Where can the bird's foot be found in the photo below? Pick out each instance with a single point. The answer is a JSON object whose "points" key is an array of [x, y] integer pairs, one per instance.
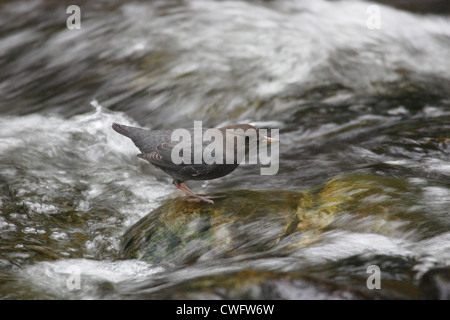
{"points": [[192, 196], [202, 197], [197, 198]]}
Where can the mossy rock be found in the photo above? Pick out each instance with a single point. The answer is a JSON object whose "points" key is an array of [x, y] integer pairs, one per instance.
{"points": [[358, 195], [256, 222], [182, 231]]}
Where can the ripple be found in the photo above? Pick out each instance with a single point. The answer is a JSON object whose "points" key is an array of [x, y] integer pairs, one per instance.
{"points": [[95, 278]]}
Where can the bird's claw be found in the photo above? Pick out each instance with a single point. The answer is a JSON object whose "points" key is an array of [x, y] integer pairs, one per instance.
{"points": [[192, 198]]}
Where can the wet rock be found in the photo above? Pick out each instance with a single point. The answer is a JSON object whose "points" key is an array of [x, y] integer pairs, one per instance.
{"points": [[255, 222], [435, 284], [418, 6], [239, 222], [358, 195], [255, 284]]}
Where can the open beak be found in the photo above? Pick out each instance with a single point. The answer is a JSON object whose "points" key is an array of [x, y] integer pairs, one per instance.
{"points": [[269, 140]]}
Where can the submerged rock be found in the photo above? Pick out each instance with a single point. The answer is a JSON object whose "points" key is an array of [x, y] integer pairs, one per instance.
{"points": [[239, 222], [254, 284], [259, 222], [435, 284], [424, 7]]}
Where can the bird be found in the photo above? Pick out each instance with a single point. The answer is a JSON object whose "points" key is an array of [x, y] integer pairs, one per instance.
{"points": [[156, 147]]}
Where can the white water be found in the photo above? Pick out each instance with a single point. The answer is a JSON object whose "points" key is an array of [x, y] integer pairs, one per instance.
{"points": [[223, 62]]}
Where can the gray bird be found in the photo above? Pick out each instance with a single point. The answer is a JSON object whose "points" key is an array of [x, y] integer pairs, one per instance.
{"points": [[156, 147]]}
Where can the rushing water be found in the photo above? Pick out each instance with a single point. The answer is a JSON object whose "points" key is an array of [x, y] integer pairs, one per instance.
{"points": [[364, 119]]}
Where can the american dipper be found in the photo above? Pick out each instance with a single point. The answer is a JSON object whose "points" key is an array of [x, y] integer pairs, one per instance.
{"points": [[157, 146]]}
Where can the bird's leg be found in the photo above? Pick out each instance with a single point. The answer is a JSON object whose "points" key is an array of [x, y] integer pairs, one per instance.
{"points": [[181, 186]]}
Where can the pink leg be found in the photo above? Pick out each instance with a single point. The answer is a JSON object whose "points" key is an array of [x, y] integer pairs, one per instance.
{"points": [[181, 186]]}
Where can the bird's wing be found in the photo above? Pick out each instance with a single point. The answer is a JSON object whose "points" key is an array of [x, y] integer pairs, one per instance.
{"points": [[163, 157], [156, 159], [198, 170]]}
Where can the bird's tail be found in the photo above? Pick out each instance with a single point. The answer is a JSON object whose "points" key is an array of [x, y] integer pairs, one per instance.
{"points": [[142, 138], [123, 129]]}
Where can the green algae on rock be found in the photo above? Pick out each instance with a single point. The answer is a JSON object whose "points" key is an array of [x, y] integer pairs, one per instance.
{"points": [[354, 195], [181, 231], [258, 222]]}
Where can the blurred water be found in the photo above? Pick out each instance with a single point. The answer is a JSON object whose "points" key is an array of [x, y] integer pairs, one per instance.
{"points": [[347, 100]]}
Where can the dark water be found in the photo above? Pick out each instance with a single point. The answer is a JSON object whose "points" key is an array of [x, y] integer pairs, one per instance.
{"points": [[364, 119]]}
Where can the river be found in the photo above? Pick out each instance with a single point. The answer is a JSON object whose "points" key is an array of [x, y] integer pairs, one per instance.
{"points": [[363, 112]]}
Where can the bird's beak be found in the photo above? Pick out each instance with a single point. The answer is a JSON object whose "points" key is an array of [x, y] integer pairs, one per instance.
{"points": [[269, 140]]}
